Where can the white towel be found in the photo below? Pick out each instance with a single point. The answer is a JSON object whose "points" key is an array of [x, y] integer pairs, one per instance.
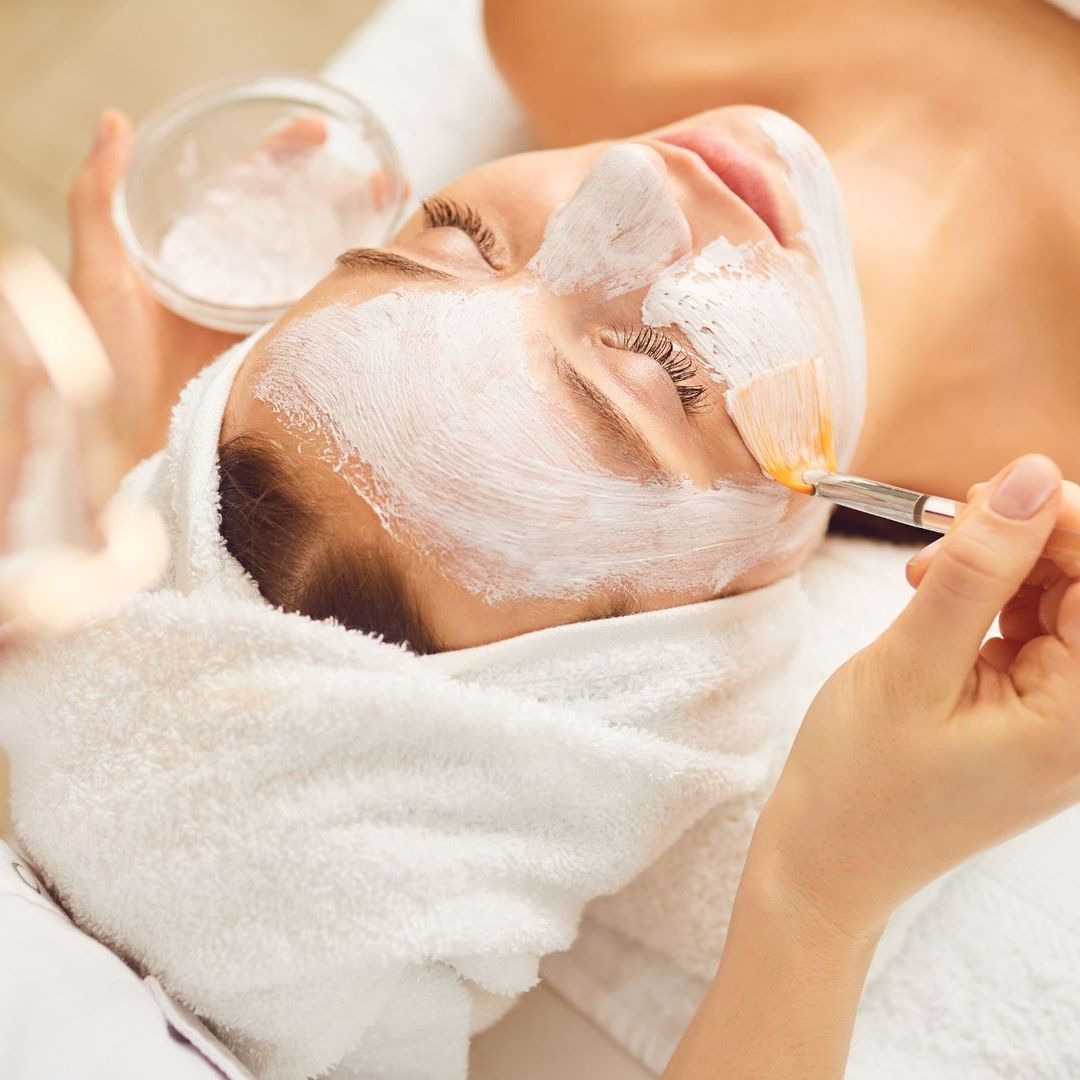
{"points": [[313, 838], [423, 67], [986, 983], [977, 977]]}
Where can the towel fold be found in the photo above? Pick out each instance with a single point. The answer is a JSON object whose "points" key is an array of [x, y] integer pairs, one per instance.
{"points": [[976, 978], [337, 852], [347, 858]]}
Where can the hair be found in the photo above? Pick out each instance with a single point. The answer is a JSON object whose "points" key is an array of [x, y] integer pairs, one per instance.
{"points": [[280, 534]]}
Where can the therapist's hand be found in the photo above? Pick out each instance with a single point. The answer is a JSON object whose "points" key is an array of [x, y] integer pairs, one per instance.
{"points": [[154, 352], [927, 746]]}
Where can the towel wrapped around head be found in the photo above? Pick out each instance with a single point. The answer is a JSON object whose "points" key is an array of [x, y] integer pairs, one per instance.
{"points": [[336, 851]]}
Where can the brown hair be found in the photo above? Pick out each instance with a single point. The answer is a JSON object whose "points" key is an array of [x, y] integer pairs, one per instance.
{"points": [[279, 533]]}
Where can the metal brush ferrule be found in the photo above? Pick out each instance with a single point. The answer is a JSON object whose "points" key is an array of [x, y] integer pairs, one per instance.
{"points": [[938, 514], [869, 496], [932, 512]]}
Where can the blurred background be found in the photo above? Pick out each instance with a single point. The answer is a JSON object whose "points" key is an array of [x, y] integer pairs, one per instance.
{"points": [[62, 61]]}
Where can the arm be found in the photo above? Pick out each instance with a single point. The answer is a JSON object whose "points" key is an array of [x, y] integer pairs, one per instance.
{"points": [[921, 751], [783, 1001]]}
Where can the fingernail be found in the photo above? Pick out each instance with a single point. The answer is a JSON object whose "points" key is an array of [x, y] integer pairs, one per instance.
{"points": [[1025, 490], [104, 130]]}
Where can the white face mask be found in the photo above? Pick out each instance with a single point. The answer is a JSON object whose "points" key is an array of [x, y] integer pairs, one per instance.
{"points": [[437, 407]]}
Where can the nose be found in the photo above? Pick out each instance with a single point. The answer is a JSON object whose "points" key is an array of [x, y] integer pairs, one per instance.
{"points": [[622, 226]]}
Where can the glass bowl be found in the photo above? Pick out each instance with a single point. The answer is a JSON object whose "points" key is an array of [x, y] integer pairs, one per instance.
{"points": [[243, 190]]}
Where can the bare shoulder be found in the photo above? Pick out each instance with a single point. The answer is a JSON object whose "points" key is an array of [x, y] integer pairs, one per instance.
{"points": [[585, 71]]}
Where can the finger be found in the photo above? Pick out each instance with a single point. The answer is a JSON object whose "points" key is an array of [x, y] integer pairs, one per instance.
{"points": [[1047, 670], [1043, 574], [919, 563], [981, 563], [1068, 618], [999, 653], [299, 135], [1019, 618], [96, 248], [1064, 545], [1050, 606], [1034, 608]]}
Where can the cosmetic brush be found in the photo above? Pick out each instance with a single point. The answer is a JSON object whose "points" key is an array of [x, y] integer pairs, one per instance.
{"points": [[800, 453]]}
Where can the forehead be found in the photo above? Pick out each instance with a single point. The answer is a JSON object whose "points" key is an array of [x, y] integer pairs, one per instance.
{"points": [[359, 275]]}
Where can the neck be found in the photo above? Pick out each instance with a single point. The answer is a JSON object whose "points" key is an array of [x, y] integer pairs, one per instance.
{"points": [[949, 137]]}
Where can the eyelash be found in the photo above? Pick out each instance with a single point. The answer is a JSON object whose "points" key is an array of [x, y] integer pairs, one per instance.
{"points": [[674, 360], [443, 213]]}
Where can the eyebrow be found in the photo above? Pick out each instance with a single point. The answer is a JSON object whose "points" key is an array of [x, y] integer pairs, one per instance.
{"points": [[609, 416], [378, 259]]}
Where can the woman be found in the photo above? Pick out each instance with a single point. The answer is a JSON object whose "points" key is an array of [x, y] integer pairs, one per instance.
{"points": [[950, 129], [914, 178], [815, 906]]}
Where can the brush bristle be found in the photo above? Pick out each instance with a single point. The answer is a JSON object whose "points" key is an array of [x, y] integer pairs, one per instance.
{"points": [[785, 419]]}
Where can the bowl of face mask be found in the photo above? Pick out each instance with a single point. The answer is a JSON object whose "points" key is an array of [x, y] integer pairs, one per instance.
{"points": [[242, 191]]}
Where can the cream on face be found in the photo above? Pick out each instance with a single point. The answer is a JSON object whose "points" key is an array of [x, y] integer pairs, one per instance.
{"points": [[618, 232], [437, 406], [437, 414]]}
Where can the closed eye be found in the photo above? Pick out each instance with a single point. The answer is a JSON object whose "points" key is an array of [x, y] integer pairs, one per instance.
{"points": [[443, 213], [674, 359]]}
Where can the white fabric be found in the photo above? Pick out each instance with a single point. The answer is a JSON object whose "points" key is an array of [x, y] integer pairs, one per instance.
{"points": [[186, 766], [424, 69], [70, 1008], [443, 818], [639, 963]]}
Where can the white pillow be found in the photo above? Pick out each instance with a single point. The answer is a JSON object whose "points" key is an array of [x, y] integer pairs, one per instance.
{"points": [[422, 66]]}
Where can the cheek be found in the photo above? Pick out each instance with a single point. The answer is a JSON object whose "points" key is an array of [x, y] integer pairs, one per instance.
{"points": [[618, 231], [751, 310], [826, 240]]}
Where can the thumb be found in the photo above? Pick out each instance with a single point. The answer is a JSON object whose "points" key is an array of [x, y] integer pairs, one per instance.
{"points": [[97, 254], [982, 562]]}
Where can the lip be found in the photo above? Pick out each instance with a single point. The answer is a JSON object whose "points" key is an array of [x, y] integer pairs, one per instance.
{"points": [[739, 169]]}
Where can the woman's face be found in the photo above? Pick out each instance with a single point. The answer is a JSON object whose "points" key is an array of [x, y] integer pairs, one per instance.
{"points": [[526, 388]]}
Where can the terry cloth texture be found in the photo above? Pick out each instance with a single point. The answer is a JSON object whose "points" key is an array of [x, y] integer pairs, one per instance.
{"points": [[341, 854]]}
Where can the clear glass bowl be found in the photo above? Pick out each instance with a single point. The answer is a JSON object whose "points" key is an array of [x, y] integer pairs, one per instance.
{"points": [[241, 192]]}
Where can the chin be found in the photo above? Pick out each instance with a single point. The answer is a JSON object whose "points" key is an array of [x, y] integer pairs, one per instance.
{"points": [[783, 564]]}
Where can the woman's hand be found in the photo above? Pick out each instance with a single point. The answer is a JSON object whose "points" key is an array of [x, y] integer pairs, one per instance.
{"points": [[929, 746]]}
